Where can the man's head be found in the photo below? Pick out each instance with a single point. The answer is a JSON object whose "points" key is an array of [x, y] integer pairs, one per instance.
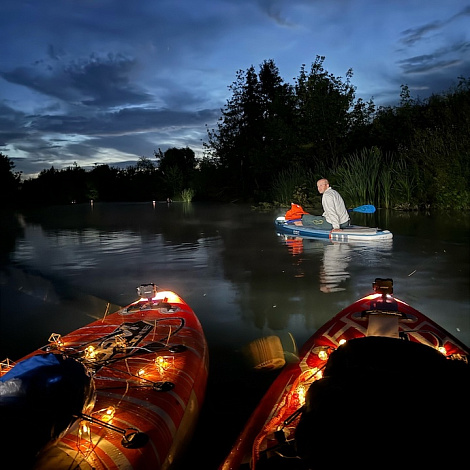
{"points": [[322, 185]]}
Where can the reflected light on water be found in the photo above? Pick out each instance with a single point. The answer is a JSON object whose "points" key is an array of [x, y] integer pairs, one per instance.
{"points": [[335, 257]]}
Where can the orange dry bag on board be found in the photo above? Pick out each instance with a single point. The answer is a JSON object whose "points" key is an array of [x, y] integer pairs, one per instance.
{"points": [[295, 212]]}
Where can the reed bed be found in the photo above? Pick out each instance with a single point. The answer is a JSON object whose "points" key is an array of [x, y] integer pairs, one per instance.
{"points": [[385, 180], [294, 184], [187, 195], [357, 177], [370, 177]]}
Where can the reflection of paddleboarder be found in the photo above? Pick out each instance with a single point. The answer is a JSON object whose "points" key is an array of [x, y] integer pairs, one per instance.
{"points": [[336, 259]]}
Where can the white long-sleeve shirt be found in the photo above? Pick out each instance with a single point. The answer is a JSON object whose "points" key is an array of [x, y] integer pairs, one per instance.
{"points": [[335, 211]]}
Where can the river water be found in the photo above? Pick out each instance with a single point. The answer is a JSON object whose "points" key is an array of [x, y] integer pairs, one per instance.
{"points": [[61, 266]]}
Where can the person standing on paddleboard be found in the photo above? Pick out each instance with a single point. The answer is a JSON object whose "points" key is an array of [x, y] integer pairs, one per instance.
{"points": [[335, 215]]}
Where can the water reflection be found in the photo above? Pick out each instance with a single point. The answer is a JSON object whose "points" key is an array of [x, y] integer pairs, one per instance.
{"points": [[335, 258]]}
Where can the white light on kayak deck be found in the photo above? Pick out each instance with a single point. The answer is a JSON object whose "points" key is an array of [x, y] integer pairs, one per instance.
{"points": [[164, 363], [84, 430], [305, 380], [323, 355], [108, 414], [168, 296], [90, 353], [302, 392]]}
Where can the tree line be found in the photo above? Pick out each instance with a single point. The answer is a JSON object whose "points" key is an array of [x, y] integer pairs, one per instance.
{"points": [[274, 140], [170, 175]]}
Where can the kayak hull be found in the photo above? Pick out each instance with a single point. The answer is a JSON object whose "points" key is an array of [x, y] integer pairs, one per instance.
{"points": [[354, 233]]}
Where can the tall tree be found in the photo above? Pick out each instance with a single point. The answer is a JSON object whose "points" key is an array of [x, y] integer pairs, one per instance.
{"points": [[9, 180], [231, 142], [267, 124], [252, 137], [324, 104], [278, 139]]}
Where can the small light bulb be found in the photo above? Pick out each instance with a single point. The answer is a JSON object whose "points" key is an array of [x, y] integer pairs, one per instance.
{"points": [[342, 341], [108, 414], [323, 355], [84, 430], [163, 363], [90, 352], [301, 392], [442, 350]]}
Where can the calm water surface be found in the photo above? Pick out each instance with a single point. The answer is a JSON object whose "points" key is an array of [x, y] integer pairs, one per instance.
{"points": [[61, 266]]}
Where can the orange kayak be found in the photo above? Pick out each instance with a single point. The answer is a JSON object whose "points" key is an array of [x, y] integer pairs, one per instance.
{"points": [[380, 383], [123, 392]]}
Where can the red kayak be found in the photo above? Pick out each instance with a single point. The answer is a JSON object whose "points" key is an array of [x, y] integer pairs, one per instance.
{"points": [[380, 384], [123, 392]]}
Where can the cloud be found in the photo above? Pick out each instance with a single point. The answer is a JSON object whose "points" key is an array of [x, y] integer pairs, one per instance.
{"points": [[273, 10], [92, 109], [435, 53], [110, 137], [445, 57], [413, 35], [94, 81]]}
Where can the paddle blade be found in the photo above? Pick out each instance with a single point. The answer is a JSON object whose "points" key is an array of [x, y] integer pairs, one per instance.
{"points": [[365, 209]]}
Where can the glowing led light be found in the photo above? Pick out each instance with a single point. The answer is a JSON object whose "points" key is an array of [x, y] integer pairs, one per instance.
{"points": [[90, 353], [341, 341], [442, 350], [56, 339], [164, 363], [141, 372], [301, 392], [108, 414], [168, 296], [84, 430], [323, 355]]}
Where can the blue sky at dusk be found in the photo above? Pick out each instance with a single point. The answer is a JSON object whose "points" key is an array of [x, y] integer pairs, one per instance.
{"points": [[109, 81]]}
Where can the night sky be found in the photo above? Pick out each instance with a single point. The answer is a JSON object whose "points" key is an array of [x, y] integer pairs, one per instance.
{"points": [[109, 81]]}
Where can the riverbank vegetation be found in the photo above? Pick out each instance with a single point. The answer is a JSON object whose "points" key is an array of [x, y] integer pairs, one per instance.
{"points": [[274, 140]]}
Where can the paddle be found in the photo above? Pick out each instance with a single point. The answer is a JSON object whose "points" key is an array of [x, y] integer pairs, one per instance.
{"points": [[365, 209]]}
